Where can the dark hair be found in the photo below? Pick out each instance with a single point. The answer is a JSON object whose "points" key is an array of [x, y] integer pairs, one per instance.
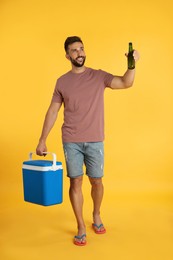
{"points": [[71, 40]]}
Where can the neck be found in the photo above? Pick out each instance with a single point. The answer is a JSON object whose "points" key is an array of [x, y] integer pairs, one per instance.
{"points": [[78, 69]]}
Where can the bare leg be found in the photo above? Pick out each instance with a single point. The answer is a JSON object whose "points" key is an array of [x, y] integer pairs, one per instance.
{"points": [[76, 198], [97, 191]]}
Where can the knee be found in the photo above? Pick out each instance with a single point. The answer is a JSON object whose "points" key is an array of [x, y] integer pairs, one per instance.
{"points": [[76, 183], [96, 182]]}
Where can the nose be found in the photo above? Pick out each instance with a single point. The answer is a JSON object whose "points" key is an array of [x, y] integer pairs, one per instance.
{"points": [[79, 52]]}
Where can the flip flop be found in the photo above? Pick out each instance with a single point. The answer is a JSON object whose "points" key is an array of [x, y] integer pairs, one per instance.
{"points": [[97, 231], [81, 242]]}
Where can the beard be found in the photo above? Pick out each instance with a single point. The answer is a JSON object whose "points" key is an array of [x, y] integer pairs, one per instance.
{"points": [[78, 63]]}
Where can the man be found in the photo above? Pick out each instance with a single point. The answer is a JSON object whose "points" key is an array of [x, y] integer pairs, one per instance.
{"points": [[81, 91]]}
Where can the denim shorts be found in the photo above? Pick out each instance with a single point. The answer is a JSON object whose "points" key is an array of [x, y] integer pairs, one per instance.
{"points": [[89, 154]]}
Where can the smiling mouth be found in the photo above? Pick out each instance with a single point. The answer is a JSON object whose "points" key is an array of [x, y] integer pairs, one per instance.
{"points": [[80, 59]]}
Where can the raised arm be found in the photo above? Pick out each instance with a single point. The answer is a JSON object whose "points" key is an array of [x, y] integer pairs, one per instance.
{"points": [[125, 81], [49, 121]]}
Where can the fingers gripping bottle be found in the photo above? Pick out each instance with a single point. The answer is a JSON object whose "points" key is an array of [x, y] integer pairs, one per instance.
{"points": [[131, 60]]}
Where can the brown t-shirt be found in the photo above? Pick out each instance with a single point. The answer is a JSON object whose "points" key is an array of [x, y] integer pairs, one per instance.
{"points": [[83, 98]]}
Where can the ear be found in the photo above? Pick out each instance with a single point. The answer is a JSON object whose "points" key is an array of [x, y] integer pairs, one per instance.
{"points": [[67, 56]]}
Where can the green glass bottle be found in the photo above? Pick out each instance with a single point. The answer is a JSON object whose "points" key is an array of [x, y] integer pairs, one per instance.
{"points": [[131, 60]]}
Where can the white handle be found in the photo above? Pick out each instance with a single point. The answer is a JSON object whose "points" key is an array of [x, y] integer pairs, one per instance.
{"points": [[53, 154]]}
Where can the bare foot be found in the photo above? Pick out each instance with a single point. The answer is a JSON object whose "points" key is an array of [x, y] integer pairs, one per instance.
{"points": [[80, 238], [98, 225]]}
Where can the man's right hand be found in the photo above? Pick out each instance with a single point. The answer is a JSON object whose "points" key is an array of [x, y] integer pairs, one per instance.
{"points": [[41, 148]]}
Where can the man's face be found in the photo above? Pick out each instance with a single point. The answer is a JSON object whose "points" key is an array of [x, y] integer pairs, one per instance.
{"points": [[76, 54]]}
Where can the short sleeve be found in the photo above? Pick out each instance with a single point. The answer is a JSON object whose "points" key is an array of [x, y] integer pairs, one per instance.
{"points": [[107, 77], [57, 96]]}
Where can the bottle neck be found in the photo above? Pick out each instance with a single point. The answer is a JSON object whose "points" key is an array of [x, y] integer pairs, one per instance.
{"points": [[130, 47]]}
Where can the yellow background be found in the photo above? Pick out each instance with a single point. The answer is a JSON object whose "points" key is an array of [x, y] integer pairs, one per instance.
{"points": [[137, 207]]}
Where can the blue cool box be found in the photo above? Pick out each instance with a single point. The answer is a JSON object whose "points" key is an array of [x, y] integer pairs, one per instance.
{"points": [[43, 181]]}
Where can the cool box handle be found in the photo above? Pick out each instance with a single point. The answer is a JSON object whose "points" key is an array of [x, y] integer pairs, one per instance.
{"points": [[53, 155]]}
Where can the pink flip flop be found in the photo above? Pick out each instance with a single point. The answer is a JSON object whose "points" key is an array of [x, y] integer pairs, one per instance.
{"points": [[80, 241], [97, 231]]}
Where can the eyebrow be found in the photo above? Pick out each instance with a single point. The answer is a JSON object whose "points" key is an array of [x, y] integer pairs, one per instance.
{"points": [[77, 48]]}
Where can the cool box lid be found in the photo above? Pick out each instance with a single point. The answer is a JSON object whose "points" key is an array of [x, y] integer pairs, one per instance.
{"points": [[41, 165]]}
